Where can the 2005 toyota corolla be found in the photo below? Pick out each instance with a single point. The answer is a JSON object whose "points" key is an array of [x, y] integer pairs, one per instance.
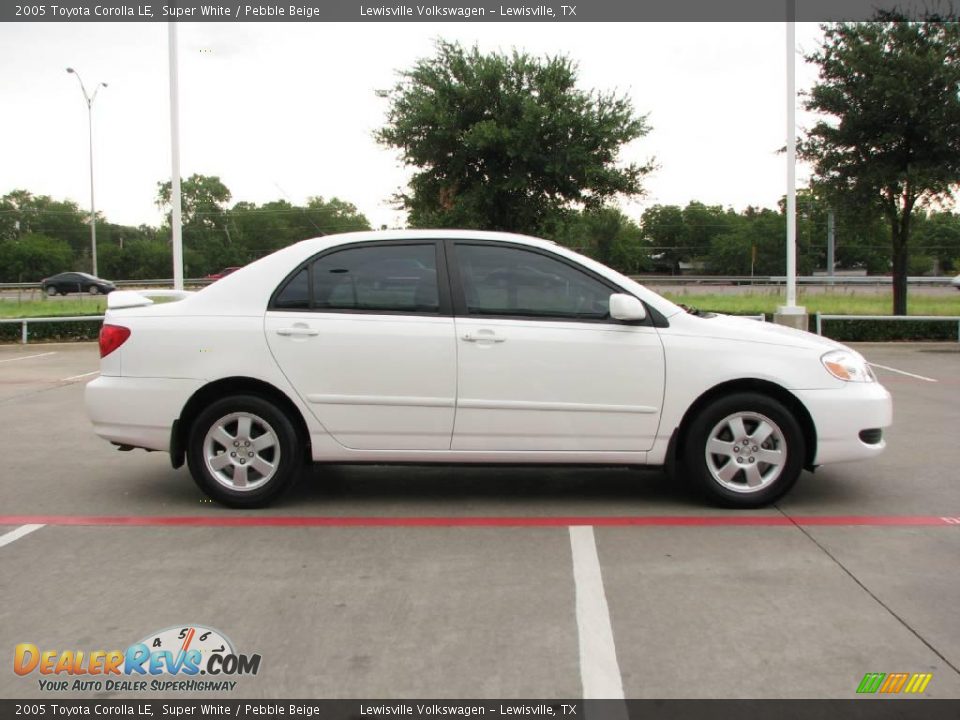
{"points": [[467, 347]]}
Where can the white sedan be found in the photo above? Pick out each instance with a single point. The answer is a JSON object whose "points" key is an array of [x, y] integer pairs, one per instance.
{"points": [[470, 347]]}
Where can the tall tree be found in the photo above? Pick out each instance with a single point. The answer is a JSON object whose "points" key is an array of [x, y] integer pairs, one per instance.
{"points": [[206, 230], [26, 214], [506, 142], [893, 136]]}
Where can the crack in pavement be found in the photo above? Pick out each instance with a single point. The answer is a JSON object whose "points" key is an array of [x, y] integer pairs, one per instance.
{"points": [[868, 591]]}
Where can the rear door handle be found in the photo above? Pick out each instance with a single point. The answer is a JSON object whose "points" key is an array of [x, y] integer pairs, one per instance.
{"points": [[297, 331]]}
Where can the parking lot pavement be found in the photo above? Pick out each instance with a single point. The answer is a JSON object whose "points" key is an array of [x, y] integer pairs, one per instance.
{"points": [[672, 610]]}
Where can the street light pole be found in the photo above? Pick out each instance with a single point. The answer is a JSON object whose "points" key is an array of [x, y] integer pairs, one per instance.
{"points": [[93, 210]]}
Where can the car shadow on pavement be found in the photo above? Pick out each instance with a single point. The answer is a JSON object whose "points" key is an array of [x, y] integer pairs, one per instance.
{"points": [[512, 489]]}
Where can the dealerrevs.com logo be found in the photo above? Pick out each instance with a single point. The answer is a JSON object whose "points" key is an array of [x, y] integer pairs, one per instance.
{"points": [[170, 660]]}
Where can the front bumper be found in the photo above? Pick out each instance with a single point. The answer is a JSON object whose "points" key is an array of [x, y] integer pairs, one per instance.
{"points": [[137, 411], [840, 415]]}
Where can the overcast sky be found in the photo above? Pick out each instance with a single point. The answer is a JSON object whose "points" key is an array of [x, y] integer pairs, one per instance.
{"points": [[287, 110]]}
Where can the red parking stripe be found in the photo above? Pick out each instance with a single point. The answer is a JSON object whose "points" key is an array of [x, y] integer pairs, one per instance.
{"points": [[475, 521]]}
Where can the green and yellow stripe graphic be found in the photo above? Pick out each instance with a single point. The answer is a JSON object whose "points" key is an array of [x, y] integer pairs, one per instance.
{"points": [[892, 683]]}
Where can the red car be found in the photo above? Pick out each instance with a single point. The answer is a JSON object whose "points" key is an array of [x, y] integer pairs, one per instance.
{"points": [[223, 273]]}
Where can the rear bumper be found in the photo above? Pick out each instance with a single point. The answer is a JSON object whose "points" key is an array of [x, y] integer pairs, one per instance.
{"points": [[842, 414], [137, 411]]}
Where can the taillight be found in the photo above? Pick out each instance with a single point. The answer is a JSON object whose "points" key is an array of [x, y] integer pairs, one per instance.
{"points": [[112, 337]]}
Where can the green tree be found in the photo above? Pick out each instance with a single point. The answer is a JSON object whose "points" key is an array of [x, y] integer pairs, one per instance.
{"points": [[258, 230], [892, 140], [204, 218], [665, 232], [607, 235], [506, 142], [754, 244], [32, 258], [28, 214], [938, 237]]}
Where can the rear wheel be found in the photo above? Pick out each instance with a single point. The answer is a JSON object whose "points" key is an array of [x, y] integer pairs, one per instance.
{"points": [[745, 450], [243, 451]]}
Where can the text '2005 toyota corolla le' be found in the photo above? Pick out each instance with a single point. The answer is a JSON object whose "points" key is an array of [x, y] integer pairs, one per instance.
{"points": [[466, 347]]}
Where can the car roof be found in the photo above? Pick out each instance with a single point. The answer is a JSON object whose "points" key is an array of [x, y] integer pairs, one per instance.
{"points": [[427, 234]]}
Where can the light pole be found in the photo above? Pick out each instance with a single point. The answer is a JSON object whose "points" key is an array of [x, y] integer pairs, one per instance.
{"points": [[93, 211]]}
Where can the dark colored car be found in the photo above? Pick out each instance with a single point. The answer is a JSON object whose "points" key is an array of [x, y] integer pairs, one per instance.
{"points": [[223, 273], [71, 282]]}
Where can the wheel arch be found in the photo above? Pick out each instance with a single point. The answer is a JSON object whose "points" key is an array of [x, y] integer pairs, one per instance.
{"points": [[763, 387], [233, 386]]}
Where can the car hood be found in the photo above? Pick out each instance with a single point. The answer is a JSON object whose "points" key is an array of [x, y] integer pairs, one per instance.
{"points": [[744, 329]]}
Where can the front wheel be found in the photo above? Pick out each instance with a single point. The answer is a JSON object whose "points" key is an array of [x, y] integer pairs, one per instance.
{"points": [[744, 451], [94, 290], [51, 290], [243, 451]]}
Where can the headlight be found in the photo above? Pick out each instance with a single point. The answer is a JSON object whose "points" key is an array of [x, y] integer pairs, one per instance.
{"points": [[846, 365]]}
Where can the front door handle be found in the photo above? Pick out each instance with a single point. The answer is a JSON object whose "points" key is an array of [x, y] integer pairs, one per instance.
{"points": [[482, 337]]}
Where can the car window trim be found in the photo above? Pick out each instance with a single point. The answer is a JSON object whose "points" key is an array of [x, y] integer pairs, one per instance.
{"points": [[653, 318], [444, 308]]}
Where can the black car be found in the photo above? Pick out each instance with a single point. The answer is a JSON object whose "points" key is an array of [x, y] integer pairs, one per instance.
{"points": [[70, 282]]}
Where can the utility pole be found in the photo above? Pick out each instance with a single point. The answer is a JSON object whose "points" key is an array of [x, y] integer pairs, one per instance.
{"points": [[93, 210], [831, 246]]}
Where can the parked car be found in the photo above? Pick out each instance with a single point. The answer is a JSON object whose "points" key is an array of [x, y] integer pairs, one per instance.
{"points": [[71, 282], [438, 347], [222, 273]]}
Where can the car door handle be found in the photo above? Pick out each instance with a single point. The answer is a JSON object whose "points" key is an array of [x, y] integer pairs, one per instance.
{"points": [[482, 337], [297, 331]]}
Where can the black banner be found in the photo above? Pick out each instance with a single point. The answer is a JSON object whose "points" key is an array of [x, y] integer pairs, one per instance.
{"points": [[854, 709], [465, 10]]}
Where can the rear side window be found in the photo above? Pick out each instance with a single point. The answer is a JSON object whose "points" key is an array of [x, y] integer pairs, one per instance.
{"points": [[296, 294], [386, 278]]}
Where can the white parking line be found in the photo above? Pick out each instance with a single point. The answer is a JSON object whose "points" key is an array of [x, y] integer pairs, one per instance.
{"points": [[27, 357], [599, 670], [77, 377], [18, 533], [903, 372]]}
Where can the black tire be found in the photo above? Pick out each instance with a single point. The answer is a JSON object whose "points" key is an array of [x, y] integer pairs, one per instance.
{"points": [[285, 454], [51, 290], [723, 479], [94, 290]]}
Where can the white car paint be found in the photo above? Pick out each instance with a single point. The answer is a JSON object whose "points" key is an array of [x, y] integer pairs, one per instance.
{"points": [[457, 387]]}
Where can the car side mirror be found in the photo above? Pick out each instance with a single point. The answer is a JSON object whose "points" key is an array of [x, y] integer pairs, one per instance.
{"points": [[626, 307]]}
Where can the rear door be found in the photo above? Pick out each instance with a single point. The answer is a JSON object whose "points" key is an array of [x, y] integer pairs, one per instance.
{"points": [[365, 334]]}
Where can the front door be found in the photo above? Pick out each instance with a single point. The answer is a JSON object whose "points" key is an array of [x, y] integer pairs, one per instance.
{"points": [[542, 366]]}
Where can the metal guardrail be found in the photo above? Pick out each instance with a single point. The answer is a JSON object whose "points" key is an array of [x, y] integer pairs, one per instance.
{"points": [[195, 282], [820, 318], [645, 279], [781, 280], [25, 322]]}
